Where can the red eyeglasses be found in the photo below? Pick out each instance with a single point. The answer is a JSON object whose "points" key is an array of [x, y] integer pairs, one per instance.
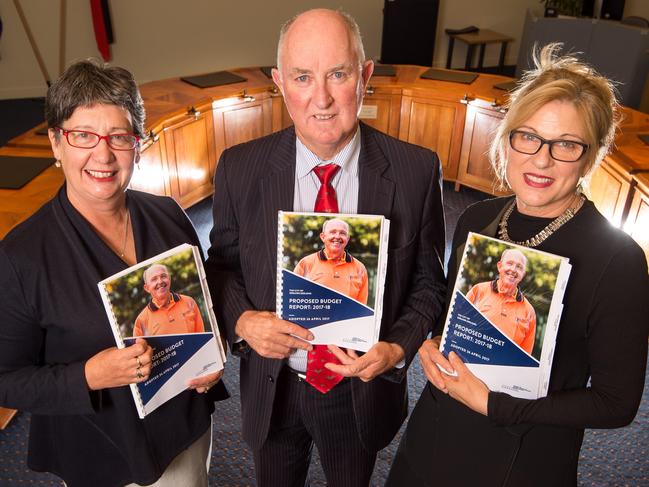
{"points": [[83, 139]]}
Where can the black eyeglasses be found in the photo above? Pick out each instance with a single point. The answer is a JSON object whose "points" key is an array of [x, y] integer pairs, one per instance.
{"points": [[560, 149], [84, 139]]}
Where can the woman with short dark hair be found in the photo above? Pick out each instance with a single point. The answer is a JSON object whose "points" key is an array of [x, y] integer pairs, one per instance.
{"points": [[57, 354]]}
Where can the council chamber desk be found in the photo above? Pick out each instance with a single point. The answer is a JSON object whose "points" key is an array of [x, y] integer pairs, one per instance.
{"points": [[189, 127]]}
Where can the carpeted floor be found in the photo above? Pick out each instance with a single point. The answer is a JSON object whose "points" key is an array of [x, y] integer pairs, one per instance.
{"points": [[609, 457]]}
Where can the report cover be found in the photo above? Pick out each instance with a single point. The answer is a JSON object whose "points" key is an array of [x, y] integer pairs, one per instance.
{"points": [[504, 314], [166, 301], [330, 275]]}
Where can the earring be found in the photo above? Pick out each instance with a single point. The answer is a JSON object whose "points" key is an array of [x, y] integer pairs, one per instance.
{"points": [[57, 163]]}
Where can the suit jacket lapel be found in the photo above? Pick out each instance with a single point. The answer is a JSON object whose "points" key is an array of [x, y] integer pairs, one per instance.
{"points": [[376, 189], [277, 187]]}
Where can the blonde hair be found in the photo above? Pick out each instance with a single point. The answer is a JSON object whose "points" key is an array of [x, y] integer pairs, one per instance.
{"points": [[563, 78]]}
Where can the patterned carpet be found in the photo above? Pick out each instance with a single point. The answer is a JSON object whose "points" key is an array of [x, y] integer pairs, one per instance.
{"points": [[609, 457]]}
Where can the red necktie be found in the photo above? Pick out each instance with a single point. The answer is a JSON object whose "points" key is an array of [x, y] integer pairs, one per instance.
{"points": [[317, 375]]}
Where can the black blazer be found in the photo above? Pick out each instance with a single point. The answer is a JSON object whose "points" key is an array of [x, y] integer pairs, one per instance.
{"points": [[52, 321], [398, 180]]}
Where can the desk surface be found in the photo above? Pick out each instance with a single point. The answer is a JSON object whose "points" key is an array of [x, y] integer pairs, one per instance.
{"points": [[166, 99], [483, 36]]}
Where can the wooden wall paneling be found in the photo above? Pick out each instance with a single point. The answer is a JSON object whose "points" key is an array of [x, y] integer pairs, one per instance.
{"points": [[382, 109], [637, 221], [474, 169], [151, 173], [240, 119], [191, 155], [281, 117], [435, 124], [610, 189]]}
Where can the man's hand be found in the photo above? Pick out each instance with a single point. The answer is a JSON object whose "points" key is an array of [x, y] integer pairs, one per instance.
{"points": [[270, 336], [204, 382], [381, 357]]}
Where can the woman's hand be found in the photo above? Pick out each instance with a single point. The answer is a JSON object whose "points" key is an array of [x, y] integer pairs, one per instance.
{"points": [[459, 382], [204, 382], [431, 360], [116, 367]]}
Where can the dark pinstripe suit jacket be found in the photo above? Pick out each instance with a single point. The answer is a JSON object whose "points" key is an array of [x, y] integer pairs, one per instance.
{"points": [[401, 181]]}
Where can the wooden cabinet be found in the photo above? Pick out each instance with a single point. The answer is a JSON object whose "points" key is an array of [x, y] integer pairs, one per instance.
{"points": [[240, 119], [474, 168], [190, 152], [281, 117], [637, 222], [436, 124], [382, 109], [610, 188], [151, 174]]}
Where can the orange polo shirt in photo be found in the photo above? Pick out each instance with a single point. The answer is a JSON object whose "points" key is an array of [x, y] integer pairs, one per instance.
{"points": [[511, 314], [346, 275], [180, 315]]}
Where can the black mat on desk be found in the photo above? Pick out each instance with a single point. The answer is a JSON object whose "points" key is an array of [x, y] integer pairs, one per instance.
{"points": [[213, 79], [267, 70], [16, 172], [508, 86], [384, 70], [453, 76], [644, 138]]}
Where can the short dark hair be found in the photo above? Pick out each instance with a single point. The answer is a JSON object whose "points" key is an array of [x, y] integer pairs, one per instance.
{"points": [[89, 82]]}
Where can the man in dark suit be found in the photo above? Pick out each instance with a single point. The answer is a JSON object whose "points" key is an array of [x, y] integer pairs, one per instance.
{"points": [[322, 74]]}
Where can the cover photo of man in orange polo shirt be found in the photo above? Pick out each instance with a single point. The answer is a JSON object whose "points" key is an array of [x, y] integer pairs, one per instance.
{"points": [[167, 313], [503, 303], [334, 267]]}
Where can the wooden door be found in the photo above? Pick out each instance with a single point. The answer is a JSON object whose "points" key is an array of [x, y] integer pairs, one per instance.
{"points": [[610, 188], [435, 124], [151, 174], [191, 155], [240, 119], [479, 128], [381, 110], [637, 222]]}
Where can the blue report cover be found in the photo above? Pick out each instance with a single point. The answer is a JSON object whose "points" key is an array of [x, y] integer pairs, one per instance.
{"points": [[165, 300], [330, 275], [504, 314]]}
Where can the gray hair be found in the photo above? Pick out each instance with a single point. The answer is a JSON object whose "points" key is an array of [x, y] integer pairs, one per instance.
{"points": [[145, 275], [88, 83], [327, 222], [509, 251], [348, 20]]}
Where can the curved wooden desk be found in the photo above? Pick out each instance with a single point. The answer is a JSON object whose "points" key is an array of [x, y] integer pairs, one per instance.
{"points": [[189, 127]]}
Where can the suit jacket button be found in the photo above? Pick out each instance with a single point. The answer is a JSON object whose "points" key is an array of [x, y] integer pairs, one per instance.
{"points": [[270, 379]]}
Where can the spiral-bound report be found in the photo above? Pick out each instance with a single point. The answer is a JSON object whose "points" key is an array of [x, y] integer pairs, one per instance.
{"points": [[166, 301], [331, 274], [504, 314]]}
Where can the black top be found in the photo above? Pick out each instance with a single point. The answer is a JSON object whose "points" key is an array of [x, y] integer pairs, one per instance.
{"points": [[602, 336], [53, 320]]}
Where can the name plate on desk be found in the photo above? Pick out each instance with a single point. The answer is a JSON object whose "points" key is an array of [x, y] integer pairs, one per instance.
{"points": [[16, 171], [451, 76], [369, 112], [213, 79]]}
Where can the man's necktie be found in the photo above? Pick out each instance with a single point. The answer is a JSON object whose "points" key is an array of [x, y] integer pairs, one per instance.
{"points": [[316, 374]]}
